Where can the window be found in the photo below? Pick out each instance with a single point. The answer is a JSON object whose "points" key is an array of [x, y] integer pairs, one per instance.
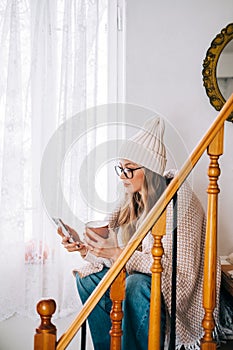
{"points": [[55, 62]]}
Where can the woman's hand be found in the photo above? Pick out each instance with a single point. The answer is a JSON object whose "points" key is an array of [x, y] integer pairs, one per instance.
{"points": [[76, 246], [72, 232], [102, 247]]}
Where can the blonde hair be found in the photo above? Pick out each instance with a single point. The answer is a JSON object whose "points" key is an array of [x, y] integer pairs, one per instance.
{"points": [[137, 205]]}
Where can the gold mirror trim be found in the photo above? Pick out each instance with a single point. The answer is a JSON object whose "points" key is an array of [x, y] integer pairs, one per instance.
{"points": [[210, 67]]}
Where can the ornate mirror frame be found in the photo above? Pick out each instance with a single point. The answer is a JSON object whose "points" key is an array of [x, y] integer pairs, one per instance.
{"points": [[210, 67]]}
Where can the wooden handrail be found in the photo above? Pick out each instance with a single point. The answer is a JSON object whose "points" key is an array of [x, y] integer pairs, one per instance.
{"points": [[147, 224]]}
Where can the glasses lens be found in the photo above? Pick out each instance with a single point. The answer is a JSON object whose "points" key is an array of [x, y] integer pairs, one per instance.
{"points": [[128, 173], [118, 170]]}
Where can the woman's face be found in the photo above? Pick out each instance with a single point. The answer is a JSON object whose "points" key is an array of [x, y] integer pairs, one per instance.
{"points": [[135, 183]]}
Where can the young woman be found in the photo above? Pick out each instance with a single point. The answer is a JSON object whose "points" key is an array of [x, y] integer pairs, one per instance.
{"points": [[141, 170]]}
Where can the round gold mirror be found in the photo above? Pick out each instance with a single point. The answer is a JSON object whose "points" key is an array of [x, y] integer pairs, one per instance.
{"points": [[218, 69]]}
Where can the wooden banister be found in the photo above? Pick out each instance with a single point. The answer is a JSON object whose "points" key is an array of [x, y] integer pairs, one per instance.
{"points": [[215, 149], [45, 337], [148, 223], [158, 231], [117, 295]]}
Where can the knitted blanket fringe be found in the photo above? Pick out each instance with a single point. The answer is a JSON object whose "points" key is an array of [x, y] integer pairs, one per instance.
{"points": [[221, 334], [195, 346]]}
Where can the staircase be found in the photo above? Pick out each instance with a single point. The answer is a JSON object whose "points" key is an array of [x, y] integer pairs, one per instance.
{"points": [[212, 142]]}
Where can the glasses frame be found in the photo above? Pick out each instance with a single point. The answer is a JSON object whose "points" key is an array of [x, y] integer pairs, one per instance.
{"points": [[122, 170]]}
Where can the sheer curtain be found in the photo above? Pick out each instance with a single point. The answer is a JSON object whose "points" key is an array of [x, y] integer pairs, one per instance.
{"points": [[53, 62]]}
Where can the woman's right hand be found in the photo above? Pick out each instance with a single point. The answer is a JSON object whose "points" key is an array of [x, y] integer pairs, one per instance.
{"points": [[72, 246]]}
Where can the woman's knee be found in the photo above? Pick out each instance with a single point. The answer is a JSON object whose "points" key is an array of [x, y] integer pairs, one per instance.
{"points": [[138, 283], [86, 285], [137, 296]]}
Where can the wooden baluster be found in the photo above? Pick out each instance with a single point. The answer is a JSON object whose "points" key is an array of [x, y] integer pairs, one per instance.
{"points": [[215, 149], [45, 337], [158, 231], [117, 295]]}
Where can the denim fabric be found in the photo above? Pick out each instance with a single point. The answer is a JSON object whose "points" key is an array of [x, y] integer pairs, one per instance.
{"points": [[136, 312], [99, 319]]}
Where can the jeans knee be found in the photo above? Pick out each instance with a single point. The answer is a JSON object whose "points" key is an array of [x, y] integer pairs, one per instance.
{"points": [[138, 283], [85, 287], [137, 296]]}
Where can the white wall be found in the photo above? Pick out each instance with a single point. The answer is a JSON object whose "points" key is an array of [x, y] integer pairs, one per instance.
{"points": [[166, 43]]}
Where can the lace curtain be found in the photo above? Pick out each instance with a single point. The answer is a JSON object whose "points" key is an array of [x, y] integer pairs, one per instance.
{"points": [[53, 62]]}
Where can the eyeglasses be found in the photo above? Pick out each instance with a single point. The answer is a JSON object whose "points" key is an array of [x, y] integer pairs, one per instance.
{"points": [[128, 172]]}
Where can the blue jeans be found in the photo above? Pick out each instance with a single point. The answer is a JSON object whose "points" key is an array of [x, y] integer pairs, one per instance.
{"points": [[136, 312]]}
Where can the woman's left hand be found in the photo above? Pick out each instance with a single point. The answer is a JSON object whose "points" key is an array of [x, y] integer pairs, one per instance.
{"points": [[102, 247]]}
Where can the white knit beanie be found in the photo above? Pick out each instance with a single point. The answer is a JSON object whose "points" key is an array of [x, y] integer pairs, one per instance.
{"points": [[146, 147]]}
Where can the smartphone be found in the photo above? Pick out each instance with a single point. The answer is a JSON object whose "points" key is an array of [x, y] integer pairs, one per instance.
{"points": [[65, 230]]}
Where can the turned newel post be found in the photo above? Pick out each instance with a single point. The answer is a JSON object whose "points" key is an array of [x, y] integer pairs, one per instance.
{"points": [[215, 149], [158, 231], [117, 295], [45, 337]]}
